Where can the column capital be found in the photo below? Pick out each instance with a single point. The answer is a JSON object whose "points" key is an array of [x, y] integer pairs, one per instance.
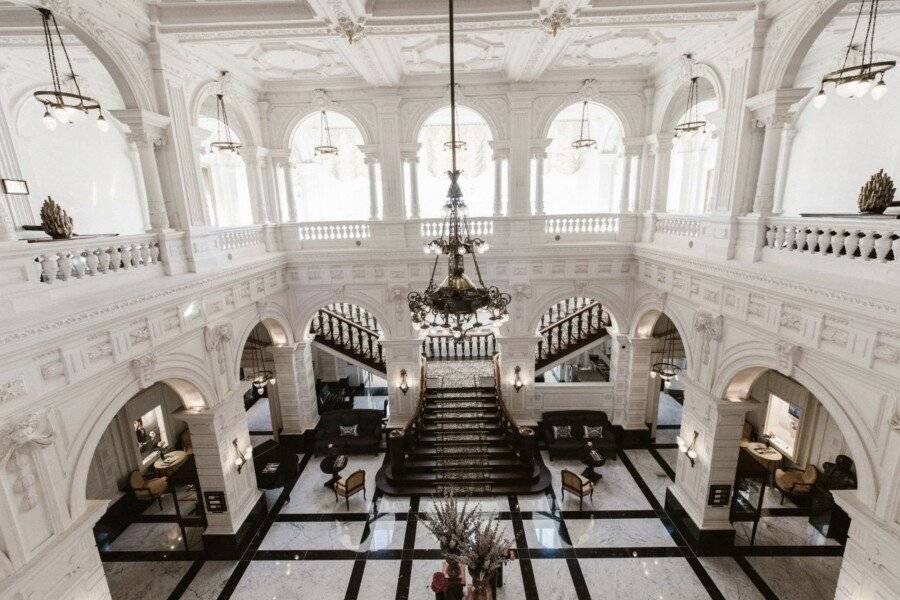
{"points": [[253, 154], [540, 145], [144, 126], [661, 142], [776, 108], [633, 146], [410, 152], [280, 156]]}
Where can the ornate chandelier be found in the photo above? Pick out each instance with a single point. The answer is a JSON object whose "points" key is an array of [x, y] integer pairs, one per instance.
{"points": [[224, 142], [455, 304], [326, 146], [693, 122], [584, 140], [350, 29], [556, 21], [855, 80], [67, 107]]}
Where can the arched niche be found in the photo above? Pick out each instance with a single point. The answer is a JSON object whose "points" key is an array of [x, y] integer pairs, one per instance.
{"points": [[426, 112], [612, 304], [475, 160], [346, 112], [276, 326], [203, 104]]}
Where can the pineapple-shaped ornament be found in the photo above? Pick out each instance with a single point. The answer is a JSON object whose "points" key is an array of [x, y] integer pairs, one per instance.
{"points": [[877, 194], [55, 221]]}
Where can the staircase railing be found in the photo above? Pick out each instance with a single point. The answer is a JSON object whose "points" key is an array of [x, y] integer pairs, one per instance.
{"points": [[399, 442], [445, 347], [354, 313], [577, 329], [344, 335], [563, 309]]}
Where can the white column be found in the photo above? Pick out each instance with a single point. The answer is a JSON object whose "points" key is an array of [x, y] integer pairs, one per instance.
{"points": [[519, 196], [870, 568], [784, 158], [253, 162], [539, 156], [414, 209], [134, 156], [296, 386], [659, 195], [626, 182], [287, 170], [371, 161], [639, 363], [618, 375], [498, 184], [16, 210], [519, 352]]}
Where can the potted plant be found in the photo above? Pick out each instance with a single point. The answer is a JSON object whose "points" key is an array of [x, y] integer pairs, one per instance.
{"points": [[487, 550], [453, 526]]}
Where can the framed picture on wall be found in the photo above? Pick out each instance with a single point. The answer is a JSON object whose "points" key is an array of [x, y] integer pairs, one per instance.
{"points": [[15, 187]]}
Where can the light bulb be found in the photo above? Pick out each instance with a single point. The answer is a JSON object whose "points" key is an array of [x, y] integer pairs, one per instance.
{"points": [[427, 248], [48, 120], [692, 454], [73, 115], [482, 248], [863, 86], [879, 90], [846, 89], [461, 250], [463, 210], [102, 124], [59, 113], [820, 99]]}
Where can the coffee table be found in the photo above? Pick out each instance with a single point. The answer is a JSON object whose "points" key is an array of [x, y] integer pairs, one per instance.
{"points": [[592, 458], [332, 465]]}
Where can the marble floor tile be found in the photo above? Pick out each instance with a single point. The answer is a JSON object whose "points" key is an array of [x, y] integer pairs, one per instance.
{"points": [[487, 505], [379, 581], [617, 578], [259, 417], [730, 578], [616, 491], [209, 580], [310, 496], [290, 580], [256, 440], [425, 540], [513, 587], [651, 472], [156, 536], [326, 535], [772, 499], [670, 455], [799, 577], [669, 411], [420, 579], [782, 531], [618, 533], [385, 533], [553, 579], [536, 502], [141, 580], [544, 533], [666, 436]]}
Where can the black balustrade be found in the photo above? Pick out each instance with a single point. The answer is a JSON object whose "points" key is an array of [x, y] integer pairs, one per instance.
{"points": [[578, 328], [472, 347], [344, 332]]}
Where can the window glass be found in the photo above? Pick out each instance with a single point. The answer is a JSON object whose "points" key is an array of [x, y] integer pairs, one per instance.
{"points": [[783, 425]]}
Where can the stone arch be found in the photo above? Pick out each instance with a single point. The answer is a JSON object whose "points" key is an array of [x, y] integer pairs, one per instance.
{"points": [[745, 362], [626, 122], [429, 109], [677, 101], [134, 88], [613, 304], [184, 373], [275, 320], [313, 303], [242, 125], [784, 57], [287, 136]]}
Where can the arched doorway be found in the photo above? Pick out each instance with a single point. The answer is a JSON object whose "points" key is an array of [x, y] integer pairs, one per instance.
{"points": [[574, 344], [258, 374]]}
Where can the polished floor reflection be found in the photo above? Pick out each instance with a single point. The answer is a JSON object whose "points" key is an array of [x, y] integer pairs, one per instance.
{"points": [[621, 545]]}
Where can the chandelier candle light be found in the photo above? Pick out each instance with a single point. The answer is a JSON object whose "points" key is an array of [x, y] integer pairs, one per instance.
{"points": [[67, 107], [855, 80], [453, 306], [693, 122], [584, 141], [326, 146], [224, 142]]}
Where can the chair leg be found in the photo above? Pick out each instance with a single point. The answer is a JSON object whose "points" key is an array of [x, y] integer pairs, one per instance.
{"points": [[159, 501], [580, 501], [347, 499], [782, 497]]}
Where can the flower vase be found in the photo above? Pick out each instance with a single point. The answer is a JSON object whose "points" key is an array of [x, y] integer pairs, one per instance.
{"points": [[481, 590]]}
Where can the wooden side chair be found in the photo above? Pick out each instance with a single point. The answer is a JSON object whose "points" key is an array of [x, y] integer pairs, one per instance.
{"points": [[148, 489], [349, 486], [796, 482], [577, 485]]}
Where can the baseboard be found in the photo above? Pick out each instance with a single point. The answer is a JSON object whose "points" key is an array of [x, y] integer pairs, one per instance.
{"points": [[702, 541], [231, 547]]}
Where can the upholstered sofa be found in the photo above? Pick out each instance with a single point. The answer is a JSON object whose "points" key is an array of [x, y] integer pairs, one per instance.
{"points": [[573, 446], [368, 431]]}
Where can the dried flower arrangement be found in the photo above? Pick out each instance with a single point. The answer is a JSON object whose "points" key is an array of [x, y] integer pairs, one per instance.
{"points": [[453, 525], [487, 550]]}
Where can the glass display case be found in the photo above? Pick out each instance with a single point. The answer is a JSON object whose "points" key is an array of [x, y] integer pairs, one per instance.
{"points": [[749, 490]]}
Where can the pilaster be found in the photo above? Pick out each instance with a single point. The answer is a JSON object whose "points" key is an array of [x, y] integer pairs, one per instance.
{"points": [[296, 382], [403, 355], [518, 352]]}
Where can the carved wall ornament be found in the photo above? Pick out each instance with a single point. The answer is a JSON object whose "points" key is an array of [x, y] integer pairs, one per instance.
{"points": [[522, 291], [12, 389], [144, 368], [216, 338], [788, 356], [16, 442], [709, 327]]}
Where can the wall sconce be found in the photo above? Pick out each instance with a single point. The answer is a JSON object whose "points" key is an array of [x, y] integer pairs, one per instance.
{"points": [[688, 449], [404, 385], [241, 458], [518, 384]]}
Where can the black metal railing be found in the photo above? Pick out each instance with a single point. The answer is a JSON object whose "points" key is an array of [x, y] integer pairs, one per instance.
{"points": [[563, 309], [576, 330], [480, 346], [348, 337], [354, 313]]}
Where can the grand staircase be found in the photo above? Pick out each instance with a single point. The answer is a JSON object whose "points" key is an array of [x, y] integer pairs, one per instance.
{"points": [[462, 439]]}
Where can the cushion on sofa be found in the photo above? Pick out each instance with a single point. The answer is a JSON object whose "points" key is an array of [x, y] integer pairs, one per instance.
{"points": [[562, 432]]}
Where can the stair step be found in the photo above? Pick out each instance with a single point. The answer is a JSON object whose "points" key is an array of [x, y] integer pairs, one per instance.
{"points": [[459, 450], [461, 427], [463, 462], [460, 438]]}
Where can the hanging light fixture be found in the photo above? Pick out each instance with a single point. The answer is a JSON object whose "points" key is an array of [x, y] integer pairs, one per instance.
{"points": [[224, 142], [859, 72], [453, 305], [666, 368], [584, 140], [259, 375], [60, 106], [350, 29], [454, 144], [693, 122], [556, 21], [326, 146]]}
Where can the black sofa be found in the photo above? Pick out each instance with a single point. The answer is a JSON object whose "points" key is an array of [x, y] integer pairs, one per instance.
{"points": [[369, 431], [573, 447]]}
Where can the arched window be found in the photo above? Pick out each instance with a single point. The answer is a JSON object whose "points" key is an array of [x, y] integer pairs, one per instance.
{"points": [[586, 180], [475, 160], [223, 176], [331, 187], [692, 172]]}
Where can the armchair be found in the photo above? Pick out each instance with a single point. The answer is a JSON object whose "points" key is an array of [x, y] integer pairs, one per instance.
{"points": [[148, 489], [796, 482], [577, 485], [349, 486]]}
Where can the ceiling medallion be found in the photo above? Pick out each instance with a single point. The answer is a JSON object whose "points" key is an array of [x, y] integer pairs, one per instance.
{"points": [[693, 123], [350, 29], [326, 146], [556, 21], [859, 72], [224, 142], [67, 107], [453, 307], [585, 140]]}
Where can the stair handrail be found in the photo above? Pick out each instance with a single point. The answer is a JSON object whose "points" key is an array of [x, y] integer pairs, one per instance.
{"points": [[420, 404], [506, 417], [348, 321], [571, 316], [547, 333]]}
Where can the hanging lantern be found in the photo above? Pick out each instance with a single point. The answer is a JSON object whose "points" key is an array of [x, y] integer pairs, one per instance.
{"points": [[584, 140], [258, 374], [859, 72], [693, 122], [453, 306], [60, 106], [224, 141], [666, 368], [326, 146]]}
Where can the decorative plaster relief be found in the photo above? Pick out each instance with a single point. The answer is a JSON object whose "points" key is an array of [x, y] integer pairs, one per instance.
{"points": [[12, 389], [216, 338], [144, 368], [16, 441]]}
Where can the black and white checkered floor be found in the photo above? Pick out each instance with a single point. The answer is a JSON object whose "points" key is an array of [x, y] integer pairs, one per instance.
{"points": [[621, 546]]}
